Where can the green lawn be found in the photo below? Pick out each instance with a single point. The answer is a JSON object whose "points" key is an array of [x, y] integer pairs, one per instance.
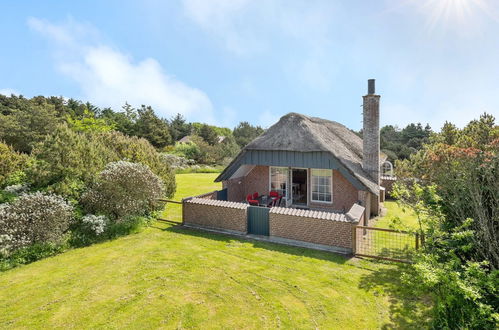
{"points": [[397, 217], [171, 277], [390, 244], [189, 185]]}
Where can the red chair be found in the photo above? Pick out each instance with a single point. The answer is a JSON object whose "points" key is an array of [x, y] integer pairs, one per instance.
{"points": [[277, 201], [251, 201], [255, 195]]}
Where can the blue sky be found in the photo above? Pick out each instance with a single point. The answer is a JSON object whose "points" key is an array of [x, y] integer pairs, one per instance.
{"points": [[224, 61]]}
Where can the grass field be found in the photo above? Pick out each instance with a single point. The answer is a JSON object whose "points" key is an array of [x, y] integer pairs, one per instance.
{"points": [[397, 217], [390, 244], [171, 277], [189, 185]]}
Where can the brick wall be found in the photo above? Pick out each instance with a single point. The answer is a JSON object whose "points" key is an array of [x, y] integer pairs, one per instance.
{"points": [[235, 190], [375, 205], [365, 201], [344, 194], [318, 227], [326, 228], [257, 180], [207, 213]]}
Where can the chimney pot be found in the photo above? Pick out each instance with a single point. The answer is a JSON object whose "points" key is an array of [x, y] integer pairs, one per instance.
{"points": [[371, 89]]}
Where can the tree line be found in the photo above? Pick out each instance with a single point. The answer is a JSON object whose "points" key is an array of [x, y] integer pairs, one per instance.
{"points": [[452, 185], [400, 143], [25, 122]]}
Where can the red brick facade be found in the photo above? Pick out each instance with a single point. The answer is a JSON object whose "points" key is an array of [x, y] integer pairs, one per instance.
{"points": [[344, 194], [257, 180]]}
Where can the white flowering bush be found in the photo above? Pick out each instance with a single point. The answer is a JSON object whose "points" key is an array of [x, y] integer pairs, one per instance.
{"points": [[16, 189], [96, 223], [124, 189], [33, 218], [176, 161]]}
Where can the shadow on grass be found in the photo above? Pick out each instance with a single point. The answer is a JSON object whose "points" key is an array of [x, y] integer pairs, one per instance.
{"points": [[407, 311], [297, 251]]}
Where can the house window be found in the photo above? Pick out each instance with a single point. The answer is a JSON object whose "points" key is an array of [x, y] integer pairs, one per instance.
{"points": [[322, 182], [279, 179]]}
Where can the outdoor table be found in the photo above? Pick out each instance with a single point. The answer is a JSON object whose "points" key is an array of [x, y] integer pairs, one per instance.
{"points": [[264, 200]]}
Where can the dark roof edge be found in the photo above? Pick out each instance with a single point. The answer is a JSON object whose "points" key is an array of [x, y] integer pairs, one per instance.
{"points": [[222, 176]]}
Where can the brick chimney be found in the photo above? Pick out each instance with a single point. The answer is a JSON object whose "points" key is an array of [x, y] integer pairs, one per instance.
{"points": [[371, 144]]}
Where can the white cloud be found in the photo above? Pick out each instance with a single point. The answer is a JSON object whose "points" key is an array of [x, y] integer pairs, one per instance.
{"points": [[222, 19], [250, 28], [109, 77], [242, 24], [8, 91]]}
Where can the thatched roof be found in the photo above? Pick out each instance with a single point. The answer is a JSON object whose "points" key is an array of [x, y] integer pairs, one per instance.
{"points": [[297, 132]]}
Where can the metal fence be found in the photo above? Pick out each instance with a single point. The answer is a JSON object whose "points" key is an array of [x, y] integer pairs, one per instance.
{"points": [[172, 211], [387, 244]]}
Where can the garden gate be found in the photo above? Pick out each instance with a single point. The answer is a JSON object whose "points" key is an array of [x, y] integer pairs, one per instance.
{"points": [[258, 220]]}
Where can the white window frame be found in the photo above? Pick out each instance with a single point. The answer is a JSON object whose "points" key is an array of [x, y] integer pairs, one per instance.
{"points": [[287, 180], [312, 186]]}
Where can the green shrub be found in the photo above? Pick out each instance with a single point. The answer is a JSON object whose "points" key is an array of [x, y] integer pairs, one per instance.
{"points": [[32, 219], [88, 123], [11, 163], [463, 295], [67, 162], [127, 226], [84, 233], [17, 178], [6, 197], [23, 128], [188, 150], [124, 189], [89, 229], [451, 184], [139, 150], [31, 254]]}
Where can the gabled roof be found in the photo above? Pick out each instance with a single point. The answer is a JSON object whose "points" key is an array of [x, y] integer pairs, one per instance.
{"points": [[297, 132]]}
